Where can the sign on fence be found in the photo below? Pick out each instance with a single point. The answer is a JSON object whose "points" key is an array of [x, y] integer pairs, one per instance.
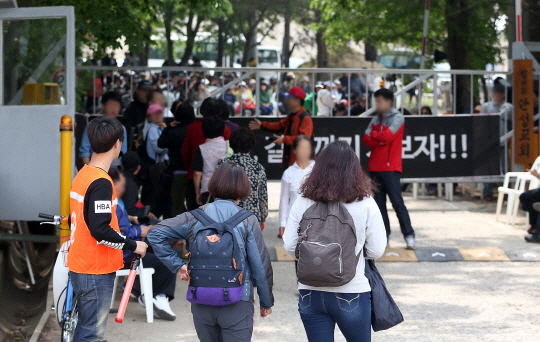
{"points": [[523, 111], [438, 146]]}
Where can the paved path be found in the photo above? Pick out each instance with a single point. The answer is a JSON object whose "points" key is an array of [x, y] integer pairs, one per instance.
{"points": [[441, 301]]}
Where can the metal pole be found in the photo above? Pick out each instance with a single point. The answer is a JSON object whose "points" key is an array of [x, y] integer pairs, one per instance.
{"points": [[258, 94], [313, 102], [331, 90], [403, 98], [472, 90], [454, 93], [519, 28], [94, 93], [66, 133], [349, 92], [424, 35], [435, 96]]}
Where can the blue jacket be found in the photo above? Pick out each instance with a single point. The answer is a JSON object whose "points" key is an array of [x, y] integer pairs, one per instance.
{"points": [[256, 264], [133, 231], [85, 150]]}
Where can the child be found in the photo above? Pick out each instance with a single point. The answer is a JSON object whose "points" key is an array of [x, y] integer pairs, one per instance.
{"points": [[208, 156]]}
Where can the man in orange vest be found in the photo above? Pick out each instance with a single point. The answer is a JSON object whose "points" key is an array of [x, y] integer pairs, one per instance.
{"points": [[95, 253]]}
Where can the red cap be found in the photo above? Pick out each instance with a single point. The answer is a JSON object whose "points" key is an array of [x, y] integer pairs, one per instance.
{"points": [[297, 92]]}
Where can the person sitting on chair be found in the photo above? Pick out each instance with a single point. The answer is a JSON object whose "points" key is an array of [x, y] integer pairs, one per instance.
{"points": [[163, 280]]}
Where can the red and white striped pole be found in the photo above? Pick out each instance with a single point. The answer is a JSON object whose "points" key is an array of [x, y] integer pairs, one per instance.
{"points": [[519, 22], [424, 35]]}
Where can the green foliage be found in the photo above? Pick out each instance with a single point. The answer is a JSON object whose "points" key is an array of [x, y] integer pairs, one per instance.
{"points": [[400, 23], [101, 24]]}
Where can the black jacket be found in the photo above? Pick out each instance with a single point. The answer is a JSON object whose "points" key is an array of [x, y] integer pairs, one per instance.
{"points": [[135, 113], [131, 195], [173, 139]]}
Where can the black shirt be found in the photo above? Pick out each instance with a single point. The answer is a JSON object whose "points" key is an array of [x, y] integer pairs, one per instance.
{"points": [[173, 139], [99, 220]]}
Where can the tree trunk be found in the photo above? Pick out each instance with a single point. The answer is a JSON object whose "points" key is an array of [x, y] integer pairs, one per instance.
{"points": [[221, 44], [170, 47], [250, 37], [145, 53], [457, 27], [285, 50], [534, 21], [191, 34]]}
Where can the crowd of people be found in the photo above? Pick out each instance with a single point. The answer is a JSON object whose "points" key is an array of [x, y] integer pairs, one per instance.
{"points": [[169, 181], [323, 97]]}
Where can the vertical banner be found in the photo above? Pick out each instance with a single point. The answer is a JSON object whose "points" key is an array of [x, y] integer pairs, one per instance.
{"points": [[523, 111]]}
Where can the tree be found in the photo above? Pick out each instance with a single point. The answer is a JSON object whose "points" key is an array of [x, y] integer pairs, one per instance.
{"points": [[252, 19], [452, 24], [102, 24]]}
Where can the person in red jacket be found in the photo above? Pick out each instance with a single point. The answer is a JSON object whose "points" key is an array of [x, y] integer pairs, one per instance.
{"points": [[194, 138], [385, 137], [297, 123]]}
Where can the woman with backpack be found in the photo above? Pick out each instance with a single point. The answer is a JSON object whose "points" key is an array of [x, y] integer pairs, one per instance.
{"points": [[293, 177], [332, 227], [227, 256]]}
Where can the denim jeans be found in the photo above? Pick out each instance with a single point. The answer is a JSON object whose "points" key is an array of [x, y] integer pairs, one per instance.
{"points": [[320, 311], [94, 293], [388, 183]]}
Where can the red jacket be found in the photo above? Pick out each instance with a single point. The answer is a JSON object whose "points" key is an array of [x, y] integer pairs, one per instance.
{"points": [[294, 124], [385, 137], [194, 138]]}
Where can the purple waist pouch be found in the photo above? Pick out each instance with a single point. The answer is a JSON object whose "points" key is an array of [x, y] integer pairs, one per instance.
{"points": [[215, 296]]}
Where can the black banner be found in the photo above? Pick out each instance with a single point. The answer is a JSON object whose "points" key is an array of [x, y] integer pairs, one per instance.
{"points": [[433, 146], [436, 146]]}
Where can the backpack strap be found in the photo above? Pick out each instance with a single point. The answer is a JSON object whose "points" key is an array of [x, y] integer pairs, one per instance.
{"points": [[240, 216], [202, 217]]}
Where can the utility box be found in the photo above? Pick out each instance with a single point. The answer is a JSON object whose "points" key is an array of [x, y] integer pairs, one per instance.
{"points": [[40, 93]]}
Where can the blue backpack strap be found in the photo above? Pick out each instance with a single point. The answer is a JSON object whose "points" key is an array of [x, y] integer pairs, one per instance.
{"points": [[240, 216], [203, 218]]}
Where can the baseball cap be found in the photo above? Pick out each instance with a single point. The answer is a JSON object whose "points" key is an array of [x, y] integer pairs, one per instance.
{"points": [[131, 160], [153, 109], [144, 84], [297, 92], [498, 88]]}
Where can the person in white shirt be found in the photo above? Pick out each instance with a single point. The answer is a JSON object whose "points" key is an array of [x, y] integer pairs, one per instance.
{"points": [[325, 103], [338, 177], [293, 177]]}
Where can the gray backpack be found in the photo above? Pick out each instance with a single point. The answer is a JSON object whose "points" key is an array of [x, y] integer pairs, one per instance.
{"points": [[326, 246]]}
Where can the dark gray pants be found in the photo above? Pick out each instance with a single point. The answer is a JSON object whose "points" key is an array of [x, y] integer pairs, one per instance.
{"points": [[230, 323]]}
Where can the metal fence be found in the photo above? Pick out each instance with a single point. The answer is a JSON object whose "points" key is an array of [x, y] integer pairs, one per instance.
{"points": [[434, 88]]}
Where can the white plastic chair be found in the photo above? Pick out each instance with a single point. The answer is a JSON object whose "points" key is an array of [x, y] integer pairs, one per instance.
{"points": [[514, 192], [145, 277]]}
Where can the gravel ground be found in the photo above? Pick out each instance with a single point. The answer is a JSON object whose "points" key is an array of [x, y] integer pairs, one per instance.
{"points": [[451, 301]]}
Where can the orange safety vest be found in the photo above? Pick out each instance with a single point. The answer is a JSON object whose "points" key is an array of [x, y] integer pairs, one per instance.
{"points": [[85, 254]]}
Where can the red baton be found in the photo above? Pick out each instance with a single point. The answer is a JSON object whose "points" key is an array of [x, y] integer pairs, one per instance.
{"points": [[127, 291]]}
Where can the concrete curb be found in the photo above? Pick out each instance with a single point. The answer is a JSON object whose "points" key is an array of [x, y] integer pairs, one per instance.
{"points": [[44, 318]]}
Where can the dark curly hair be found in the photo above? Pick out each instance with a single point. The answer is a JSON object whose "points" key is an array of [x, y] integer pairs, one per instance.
{"points": [[337, 176], [242, 140]]}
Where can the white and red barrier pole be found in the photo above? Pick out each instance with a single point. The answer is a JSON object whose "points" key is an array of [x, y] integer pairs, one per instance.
{"points": [[519, 22]]}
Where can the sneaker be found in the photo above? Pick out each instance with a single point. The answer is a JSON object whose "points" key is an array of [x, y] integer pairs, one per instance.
{"points": [[533, 238], [162, 308], [409, 240]]}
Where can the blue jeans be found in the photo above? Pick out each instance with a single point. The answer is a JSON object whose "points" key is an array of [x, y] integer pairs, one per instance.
{"points": [[320, 311], [388, 183], [94, 293]]}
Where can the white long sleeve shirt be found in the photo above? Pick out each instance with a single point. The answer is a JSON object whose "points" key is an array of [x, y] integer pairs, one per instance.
{"points": [[290, 184], [370, 233], [325, 103]]}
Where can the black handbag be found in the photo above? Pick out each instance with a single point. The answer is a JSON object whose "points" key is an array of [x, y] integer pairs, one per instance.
{"points": [[385, 313]]}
